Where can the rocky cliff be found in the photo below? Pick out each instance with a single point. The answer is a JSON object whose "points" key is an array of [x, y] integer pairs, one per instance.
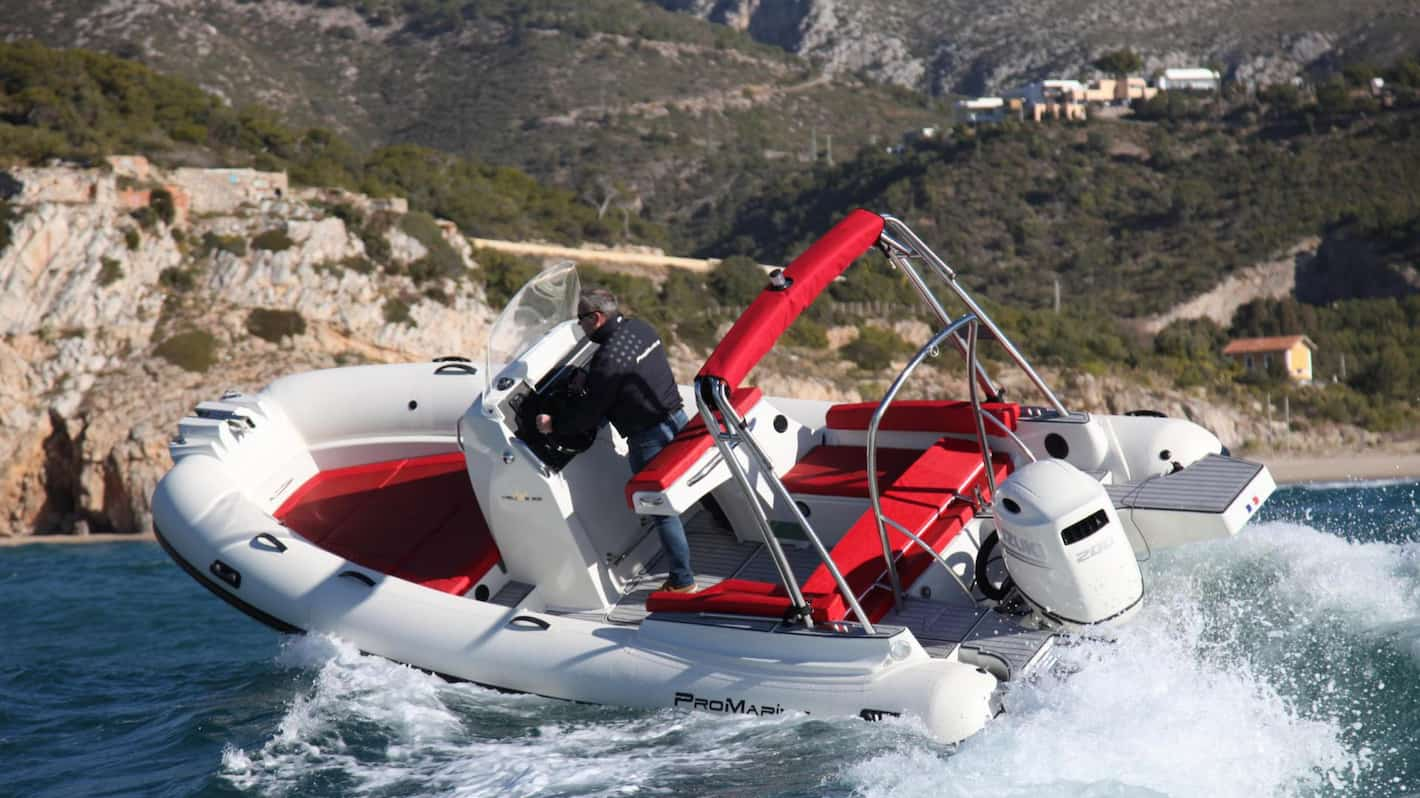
{"points": [[112, 330], [114, 324], [978, 48]]}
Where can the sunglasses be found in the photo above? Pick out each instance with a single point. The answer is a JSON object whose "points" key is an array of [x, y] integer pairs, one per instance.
{"points": [[587, 315]]}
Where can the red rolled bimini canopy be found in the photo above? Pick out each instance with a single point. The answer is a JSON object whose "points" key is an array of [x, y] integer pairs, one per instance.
{"points": [[773, 311]]}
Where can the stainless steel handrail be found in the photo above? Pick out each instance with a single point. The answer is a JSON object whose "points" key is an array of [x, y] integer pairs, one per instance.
{"points": [[976, 411], [938, 557], [776, 553], [1009, 433], [903, 262], [874, 492], [730, 427], [913, 245], [736, 429]]}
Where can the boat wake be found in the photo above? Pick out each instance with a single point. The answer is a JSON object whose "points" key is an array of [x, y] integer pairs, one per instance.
{"points": [[1278, 663], [1282, 662]]}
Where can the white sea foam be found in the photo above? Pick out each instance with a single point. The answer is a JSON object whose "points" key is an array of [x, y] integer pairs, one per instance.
{"points": [[1174, 707], [1357, 484], [1141, 716], [528, 745], [1182, 703], [351, 691], [1316, 574]]}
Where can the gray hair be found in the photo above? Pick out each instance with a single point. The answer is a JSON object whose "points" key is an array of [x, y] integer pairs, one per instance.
{"points": [[598, 299]]}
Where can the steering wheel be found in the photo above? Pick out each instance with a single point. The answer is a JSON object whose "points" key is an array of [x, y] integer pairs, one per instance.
{"points": [[555, 449]]}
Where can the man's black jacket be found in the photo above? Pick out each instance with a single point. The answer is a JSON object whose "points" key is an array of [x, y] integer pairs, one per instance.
{"points": [[629, 382]]}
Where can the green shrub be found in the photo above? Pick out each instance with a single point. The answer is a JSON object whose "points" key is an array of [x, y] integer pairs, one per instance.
{"points": [[442, 260], [272, 324], [110, 271], [736, 281], [273, 240], [355, 263], [377, 247], [161, 201], [698, 332], [396, 311], [347, 213], [874, 348], [145, 216], [176, 279], [359, 265], [807, 333], [195, 350], [212, 242], [503, 274], [132, 238], [438, 295], [7, 216]]}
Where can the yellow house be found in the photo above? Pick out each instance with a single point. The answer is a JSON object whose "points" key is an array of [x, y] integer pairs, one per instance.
{"points": [[1108, 90], [1294, 352]]}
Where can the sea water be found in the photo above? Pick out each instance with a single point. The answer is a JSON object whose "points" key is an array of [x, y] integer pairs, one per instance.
{"points": [[1283, 662]]}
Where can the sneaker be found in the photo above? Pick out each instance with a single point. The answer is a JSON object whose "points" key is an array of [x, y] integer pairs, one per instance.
{"points": [[669, 588]]}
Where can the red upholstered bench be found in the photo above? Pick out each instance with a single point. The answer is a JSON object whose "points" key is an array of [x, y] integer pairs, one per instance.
{"points": [[676, 459], [948, 418], [416, 519], [923, 498], [843, 470]]}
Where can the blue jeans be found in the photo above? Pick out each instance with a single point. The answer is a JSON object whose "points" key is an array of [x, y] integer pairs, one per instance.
{"points": [[642, 448]]}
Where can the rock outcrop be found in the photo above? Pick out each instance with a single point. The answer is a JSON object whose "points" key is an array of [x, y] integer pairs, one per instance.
{"points": [[88, 295], [978, 48]]}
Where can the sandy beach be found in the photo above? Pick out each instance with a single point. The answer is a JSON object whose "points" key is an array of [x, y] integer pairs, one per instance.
{"points": [[1341, 467], [60, 538]]}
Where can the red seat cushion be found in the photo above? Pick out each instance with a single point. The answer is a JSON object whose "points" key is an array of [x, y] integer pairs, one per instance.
{"points": [[843, 470], [732, 597], [416, 519], [954, 418], [922, 498], [685, 449]]}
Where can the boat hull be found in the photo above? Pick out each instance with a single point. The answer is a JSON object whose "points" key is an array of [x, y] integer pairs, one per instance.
{"points": [[216, 520]]}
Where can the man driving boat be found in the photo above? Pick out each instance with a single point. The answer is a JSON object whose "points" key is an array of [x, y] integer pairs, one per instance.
{"points": [[630, 384]]}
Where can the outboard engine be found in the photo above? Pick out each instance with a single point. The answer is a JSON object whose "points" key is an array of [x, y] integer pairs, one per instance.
{"points": [[1065, 549]]}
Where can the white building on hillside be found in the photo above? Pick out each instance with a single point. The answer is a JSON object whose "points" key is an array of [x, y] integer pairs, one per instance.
{"points": [[1190, 79], [981, 109]]}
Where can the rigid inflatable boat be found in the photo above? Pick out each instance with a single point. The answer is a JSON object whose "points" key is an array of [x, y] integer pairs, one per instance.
{"points": [[895, 558]]}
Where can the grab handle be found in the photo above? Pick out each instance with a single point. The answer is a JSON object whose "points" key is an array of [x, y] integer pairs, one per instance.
{"points": [[528, 620], [270, 540], [358, 577], [456, 368]]}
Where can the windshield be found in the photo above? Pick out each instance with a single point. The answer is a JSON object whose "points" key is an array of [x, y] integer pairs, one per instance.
{"points": [[544, 302]]}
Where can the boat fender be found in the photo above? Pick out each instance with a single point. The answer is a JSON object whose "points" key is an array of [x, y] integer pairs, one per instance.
{"points": [[961, 703]]}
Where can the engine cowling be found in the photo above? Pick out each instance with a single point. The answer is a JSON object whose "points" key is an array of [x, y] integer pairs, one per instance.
{"points": [[1064, 546]]}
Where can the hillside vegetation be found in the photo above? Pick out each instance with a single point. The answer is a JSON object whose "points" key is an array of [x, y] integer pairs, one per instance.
{"points": [[639, 112], [81, 106], [1131, 217]]}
